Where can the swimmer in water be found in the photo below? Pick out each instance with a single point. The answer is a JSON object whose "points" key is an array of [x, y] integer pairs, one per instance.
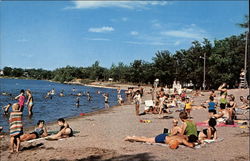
{"points": [[6, 108], [78, 101], [88, 96]]}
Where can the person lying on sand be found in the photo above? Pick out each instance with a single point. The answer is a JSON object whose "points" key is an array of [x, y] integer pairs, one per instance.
{"points": [[172, 141], [65, 130], [210, 132], [40, 131]]}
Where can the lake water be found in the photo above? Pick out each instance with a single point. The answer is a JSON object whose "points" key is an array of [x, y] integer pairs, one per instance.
{"points": [[52, 109]]}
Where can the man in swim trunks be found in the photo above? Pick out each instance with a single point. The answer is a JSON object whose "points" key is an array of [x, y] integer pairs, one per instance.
{"points": [[172, 141]]}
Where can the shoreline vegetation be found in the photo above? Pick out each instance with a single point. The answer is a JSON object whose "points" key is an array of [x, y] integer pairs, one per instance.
{"points": [[224, 63]]}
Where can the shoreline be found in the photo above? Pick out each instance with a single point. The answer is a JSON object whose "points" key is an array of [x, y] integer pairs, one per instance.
{"points": [[101, 135]]}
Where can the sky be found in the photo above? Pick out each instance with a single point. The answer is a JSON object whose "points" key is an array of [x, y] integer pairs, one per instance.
{"points": [[53, 34]]}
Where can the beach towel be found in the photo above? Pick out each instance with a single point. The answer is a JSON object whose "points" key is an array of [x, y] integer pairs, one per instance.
{"points": [[55, 132], [16, 126], [203, 124]]}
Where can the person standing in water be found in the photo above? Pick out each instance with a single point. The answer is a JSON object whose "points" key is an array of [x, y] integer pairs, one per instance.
{"points": [[30, 102], [78, 101], [88, 96], [21, 100], [106, 100]]}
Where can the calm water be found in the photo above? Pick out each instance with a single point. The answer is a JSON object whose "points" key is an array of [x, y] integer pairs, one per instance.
{"points": [[52, 109]]}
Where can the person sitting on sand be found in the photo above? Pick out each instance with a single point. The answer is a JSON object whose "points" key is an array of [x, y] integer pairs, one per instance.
{"points": [[211, 106], [40, 131], [188, 127], [1, 128], [231, 106], [6, 108], [210, 132], [65, 130], [223, 102], [244, 103], [175, 129], [172, 141], [16, 127]]}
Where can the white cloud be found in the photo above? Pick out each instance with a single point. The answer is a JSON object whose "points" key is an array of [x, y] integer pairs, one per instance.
{"points": [[97, 39], [177, 43], [190, 32], [124, 19], [22, 40], [134, 33], [102, 29], [119, 4]]}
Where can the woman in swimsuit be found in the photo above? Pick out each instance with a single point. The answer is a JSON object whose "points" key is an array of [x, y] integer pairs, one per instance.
{"points": [[30, 102], [210, 132], [65, 130], [172, 141], [231, 106], [40, 131]]}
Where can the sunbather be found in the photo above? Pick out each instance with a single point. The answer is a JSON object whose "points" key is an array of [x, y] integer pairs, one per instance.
{"points": [[40, 131], [210, 132], [175, 129], [65, 130], [172, 141]]}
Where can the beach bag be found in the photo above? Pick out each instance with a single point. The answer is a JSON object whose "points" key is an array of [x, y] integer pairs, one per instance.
{"points": [[229, 122]]}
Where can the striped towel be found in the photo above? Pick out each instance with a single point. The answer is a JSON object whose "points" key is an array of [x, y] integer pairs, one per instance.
{"points": [[16, 125]]}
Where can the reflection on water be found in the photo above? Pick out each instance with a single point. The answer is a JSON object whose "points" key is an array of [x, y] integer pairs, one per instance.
{"points": [[52, 109]]}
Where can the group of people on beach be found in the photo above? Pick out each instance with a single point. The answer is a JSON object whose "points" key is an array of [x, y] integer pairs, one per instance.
{"points": [[26, 98], [222, 108]]}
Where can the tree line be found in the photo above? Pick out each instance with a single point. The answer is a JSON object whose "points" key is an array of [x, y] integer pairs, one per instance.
{"points": [[224, 62]]}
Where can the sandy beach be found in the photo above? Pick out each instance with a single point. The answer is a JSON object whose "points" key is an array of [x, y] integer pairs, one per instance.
{"points": [[102, 133]]}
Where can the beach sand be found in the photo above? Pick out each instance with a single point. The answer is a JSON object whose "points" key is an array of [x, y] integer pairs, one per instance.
{"points": [[102, 133]]}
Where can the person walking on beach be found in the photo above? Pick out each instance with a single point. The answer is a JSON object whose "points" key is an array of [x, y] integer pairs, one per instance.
{"points": [[137, 99], [16, 127], [30, 102], [21, 100], [106, 100]]}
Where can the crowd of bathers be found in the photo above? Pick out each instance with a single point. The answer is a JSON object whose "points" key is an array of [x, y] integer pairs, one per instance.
{"points": [[221, 107], [25, 98]]}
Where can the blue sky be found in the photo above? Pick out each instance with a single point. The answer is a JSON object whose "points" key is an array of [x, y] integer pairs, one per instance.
{"points": [[54, 34]]}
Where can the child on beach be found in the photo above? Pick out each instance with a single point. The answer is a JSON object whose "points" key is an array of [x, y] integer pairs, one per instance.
{"points": [[16, 127], [40, 131], [211, 106], [175, 129], [21, 100], [137, 99], [210, 132], [188, 107]]}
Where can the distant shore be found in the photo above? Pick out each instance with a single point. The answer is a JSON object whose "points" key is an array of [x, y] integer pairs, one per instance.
{"points": [[97, 84]]}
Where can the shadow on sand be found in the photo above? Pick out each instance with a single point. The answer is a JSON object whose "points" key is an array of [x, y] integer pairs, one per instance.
{"points": [[136, 157]]}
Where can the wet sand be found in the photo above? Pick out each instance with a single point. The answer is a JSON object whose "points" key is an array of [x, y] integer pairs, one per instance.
{"points": [[102, 133]]}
